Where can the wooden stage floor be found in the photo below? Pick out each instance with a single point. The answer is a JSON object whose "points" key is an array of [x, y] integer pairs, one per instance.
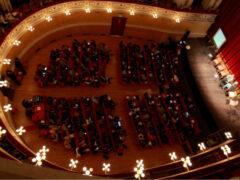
{"points": [[58, 154]]}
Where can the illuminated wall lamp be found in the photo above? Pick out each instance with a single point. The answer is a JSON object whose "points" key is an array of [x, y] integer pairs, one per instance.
{"points": [[155, 16], [31, 28], [109, 10], [177, 20], [4, 83], [132, 13], [38, 159], [7, 108], [16, 43], [20, 131], [49, 19], [202, 146], [7, 61], [173, 156], [87, 10], [2, 131], [87, 172], [228, 135], [106, 167], [226, 150], [67, 12], [186, 162], [73, 164]]}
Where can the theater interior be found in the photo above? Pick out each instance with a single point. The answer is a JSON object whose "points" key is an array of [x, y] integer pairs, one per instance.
{"points": [[121, 89]]}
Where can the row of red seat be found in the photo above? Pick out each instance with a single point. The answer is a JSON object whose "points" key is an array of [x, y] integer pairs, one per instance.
{"points": [[165, 118]]}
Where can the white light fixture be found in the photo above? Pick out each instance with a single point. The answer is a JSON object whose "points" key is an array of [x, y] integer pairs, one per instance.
{"points": [[6, 61], [186, 162], [7, 107], [87, 172], [226, 150], [177, 20], [155, 16], [87, 10], [49, 19], [20, 131], [109, 10], [173, 156], [31, 28], [202, 146], [106, 167], [16, 43], [228, 135], [44, 150], [216, 75], [67, 12], [132, 13], [139, 169], [3, 83], [38, 159], [73, 164], [2, 131]]}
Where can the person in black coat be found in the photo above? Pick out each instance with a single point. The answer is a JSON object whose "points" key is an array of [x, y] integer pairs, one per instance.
{"points": [[12, 76], [19, 65]]}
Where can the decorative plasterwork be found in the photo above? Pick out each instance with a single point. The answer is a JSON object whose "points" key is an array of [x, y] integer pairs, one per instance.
{"points": [[72, 6]]}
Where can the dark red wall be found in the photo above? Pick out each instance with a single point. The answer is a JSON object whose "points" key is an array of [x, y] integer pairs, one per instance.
{"points": [[229, 21]]}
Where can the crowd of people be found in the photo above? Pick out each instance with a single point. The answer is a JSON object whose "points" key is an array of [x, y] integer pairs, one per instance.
{"points": [[82, 64], [83, 124], [149, 65], [162, 119]]}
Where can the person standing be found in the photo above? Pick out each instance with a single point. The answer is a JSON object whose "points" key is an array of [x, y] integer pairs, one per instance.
{"points": [[19, 65], [12, 76]]}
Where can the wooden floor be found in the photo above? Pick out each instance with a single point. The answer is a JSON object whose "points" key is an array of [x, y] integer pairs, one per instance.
{"points": [[58, 154]]}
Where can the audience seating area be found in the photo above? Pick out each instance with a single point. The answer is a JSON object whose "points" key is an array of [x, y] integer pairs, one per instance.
{"points": [[83, 64], [155, 64], [162, 119], [85, 124]]}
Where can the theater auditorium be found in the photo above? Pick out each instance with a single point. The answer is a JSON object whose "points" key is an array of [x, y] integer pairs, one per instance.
{"points": [[121, 89]]}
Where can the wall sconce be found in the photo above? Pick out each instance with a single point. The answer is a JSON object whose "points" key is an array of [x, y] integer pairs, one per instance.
{"points": [[49, 19], [226, 150], [73, 164], [87, 172], [38, 159], [177, 20], [109, 10], [106, 167], [228, 135], [132, 13], [139, 169], [30, 28], [67, 12], [2, 131], [155, 16], [7, 108], [173, 156], [87, 10], [186, 162], [6, 61], [202, 146], [20, 131], [16, 43], [4, 83]]}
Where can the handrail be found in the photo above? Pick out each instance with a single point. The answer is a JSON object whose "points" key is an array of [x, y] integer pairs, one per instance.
{"points": [[6, 155], [208, 169]]}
